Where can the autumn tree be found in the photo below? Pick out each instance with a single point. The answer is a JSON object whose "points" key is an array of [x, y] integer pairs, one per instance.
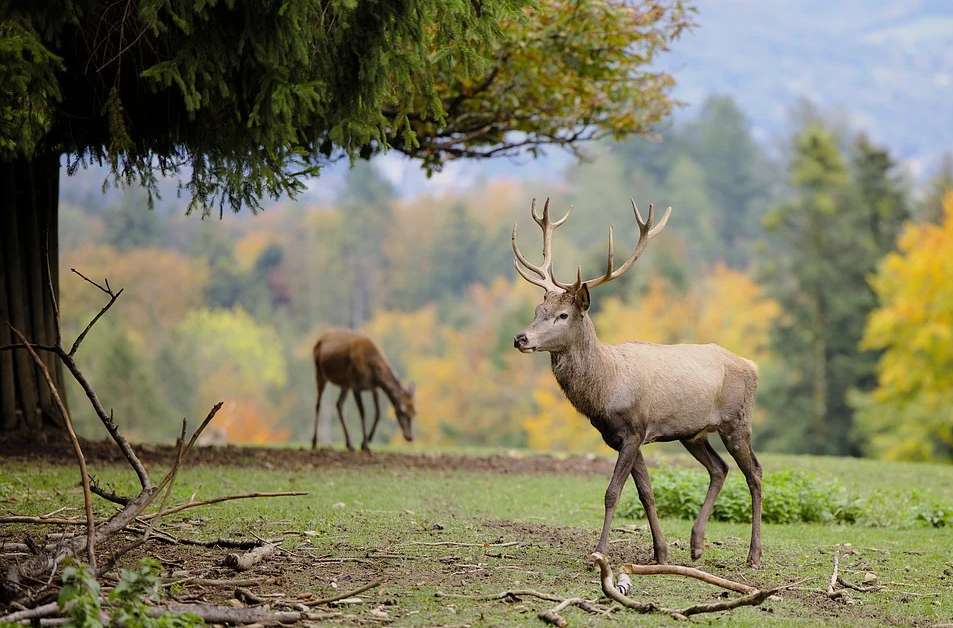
{"points": [[251, 97], [909, 415]]}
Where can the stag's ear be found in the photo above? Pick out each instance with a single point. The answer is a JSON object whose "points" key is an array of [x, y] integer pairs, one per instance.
{"points": [[411, 389], [582, 297]]}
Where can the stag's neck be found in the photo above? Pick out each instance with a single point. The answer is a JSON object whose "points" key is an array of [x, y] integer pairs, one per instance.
{"points": [[389, 383], [585, 371]]}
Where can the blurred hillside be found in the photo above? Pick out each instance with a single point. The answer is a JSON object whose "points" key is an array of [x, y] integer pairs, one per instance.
{"points": [[886, 64]]}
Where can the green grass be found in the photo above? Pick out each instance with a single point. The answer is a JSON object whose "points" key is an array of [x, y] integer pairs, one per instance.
{"points": [[353, 510]]}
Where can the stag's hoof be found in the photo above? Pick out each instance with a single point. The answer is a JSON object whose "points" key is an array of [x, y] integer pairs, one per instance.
{"points": [[365, 449]]}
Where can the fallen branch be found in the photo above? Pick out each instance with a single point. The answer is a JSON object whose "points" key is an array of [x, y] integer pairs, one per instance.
{"points": [[244, 562], [42, 520], [46, 610], [830, 587], [456, 544], [858, 587], [228, 615], [609, 588], [217, 500], [512, 595], [553, 617], [246, 596], [690, 572], [335, 598]]}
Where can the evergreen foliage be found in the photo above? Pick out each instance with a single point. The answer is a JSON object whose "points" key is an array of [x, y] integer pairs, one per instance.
{"points": [[253, 95]]}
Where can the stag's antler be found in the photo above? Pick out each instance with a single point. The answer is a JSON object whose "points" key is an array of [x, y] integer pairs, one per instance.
{"points": [[646, 233], [544, 270]]}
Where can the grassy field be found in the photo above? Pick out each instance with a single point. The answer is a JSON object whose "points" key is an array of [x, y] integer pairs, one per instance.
{"points": [[362, 521]]}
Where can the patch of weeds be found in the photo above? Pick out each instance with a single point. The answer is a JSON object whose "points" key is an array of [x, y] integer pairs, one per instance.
{"points": [[934, 515], [126, 604], [789, 497]]}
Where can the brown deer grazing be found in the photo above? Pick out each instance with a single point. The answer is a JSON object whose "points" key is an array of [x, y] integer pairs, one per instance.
{"points": [[354, 362], [639, 392]]}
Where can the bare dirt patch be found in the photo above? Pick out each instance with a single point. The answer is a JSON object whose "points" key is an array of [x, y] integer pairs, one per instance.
{"points": [[512, 461]]}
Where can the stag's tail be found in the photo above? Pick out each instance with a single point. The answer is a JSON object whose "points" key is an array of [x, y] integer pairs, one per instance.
{"points": [[751, 391]]}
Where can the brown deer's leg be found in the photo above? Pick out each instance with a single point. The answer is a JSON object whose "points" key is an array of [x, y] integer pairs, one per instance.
{"points": [[640, 473], [717, 471], [340, 404], [317, 412], [739, 446], [360, 408], [623, 467], [377, 414]]}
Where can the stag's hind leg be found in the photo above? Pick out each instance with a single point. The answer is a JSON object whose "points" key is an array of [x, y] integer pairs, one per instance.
{"points": [[340, 405], [738, 443], [717, 470], [317, 412]]}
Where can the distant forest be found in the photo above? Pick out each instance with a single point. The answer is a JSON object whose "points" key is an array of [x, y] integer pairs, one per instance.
{"points": [[798, 261]]}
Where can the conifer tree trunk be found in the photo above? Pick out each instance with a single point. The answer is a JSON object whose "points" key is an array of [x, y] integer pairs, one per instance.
{"points": [[29, 193]]}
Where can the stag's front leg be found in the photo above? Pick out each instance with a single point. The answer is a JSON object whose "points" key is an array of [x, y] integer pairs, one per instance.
{"points": [[365, 447], [640, 473], [377, 414], [623, 466]]}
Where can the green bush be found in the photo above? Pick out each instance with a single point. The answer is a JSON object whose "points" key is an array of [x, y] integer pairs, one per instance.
{"points": [[126, 604], [789, 497]]}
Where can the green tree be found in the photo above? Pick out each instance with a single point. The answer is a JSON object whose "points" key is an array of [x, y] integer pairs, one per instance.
{"points": [[457, 252], [368, 216], [255, 96], [798, 275], [825, 243], [940, 185]]}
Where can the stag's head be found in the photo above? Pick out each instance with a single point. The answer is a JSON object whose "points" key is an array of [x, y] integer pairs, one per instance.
{"points": [[562, 319], [406, 411]]}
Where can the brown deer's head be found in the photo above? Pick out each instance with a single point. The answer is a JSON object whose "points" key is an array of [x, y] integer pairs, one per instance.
{"points": [[561, 319], [404, 407]]}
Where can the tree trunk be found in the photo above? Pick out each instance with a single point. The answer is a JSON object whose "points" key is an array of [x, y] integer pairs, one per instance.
{"points": [[29, 192]]}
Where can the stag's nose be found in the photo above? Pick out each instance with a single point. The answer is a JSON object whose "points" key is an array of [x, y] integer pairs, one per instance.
{"points": [[519, 340]]}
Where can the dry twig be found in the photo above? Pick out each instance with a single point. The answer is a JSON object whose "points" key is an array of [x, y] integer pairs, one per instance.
{"points": [[216, 500], [341, 596], [74, 440]]}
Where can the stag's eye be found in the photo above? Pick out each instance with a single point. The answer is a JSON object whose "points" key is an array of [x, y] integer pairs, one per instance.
{"points": [[563, 316]]}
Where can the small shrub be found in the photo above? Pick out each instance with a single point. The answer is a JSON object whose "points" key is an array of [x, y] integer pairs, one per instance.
{"points": [[934, 516], [126, 604], [789, 497]]}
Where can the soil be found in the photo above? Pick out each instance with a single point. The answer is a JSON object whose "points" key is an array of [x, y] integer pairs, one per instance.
{"points": [[512, 461]]}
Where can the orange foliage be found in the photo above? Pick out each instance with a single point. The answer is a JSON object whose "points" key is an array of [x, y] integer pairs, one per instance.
{"points": [[161, 285], [245, 422], [727, 308]]}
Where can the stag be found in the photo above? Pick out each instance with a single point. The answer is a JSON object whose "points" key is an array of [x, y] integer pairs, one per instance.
{"points": [[639, 392], [354, 362]]}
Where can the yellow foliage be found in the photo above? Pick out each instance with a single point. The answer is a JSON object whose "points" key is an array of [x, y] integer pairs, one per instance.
{"points": [[727, 308], [909, 415]]}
